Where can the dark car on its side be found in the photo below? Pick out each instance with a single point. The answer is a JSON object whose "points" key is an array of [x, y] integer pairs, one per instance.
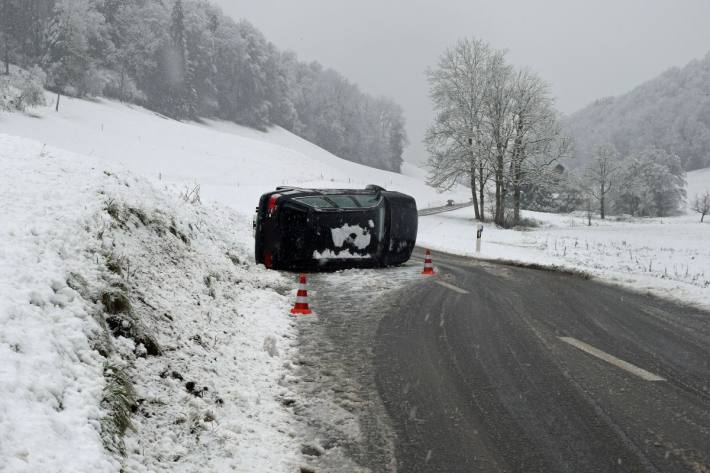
{"points": [[297, 229]]}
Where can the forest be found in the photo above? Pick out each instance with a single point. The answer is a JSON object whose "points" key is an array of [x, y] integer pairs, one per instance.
{"points": [[187, 60], [670, 112]]}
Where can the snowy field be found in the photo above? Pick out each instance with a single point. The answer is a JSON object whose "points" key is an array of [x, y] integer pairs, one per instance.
{"points": [[669, 257]]}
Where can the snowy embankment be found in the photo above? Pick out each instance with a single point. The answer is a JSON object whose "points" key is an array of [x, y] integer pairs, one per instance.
{"points": [[136, 334], [669, 257]]}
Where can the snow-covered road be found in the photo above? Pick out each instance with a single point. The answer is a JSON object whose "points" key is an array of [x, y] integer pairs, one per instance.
{"points": [[335, 395]]}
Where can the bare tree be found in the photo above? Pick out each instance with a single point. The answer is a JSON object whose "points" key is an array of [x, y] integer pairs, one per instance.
{"points": [[500, 126], [701, 204], [538, 141], [601, 175], [455, 139], [491, 122]]}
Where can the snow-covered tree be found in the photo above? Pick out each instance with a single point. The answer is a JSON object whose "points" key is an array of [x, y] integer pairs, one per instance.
{"points": [[538, 141], [490, 122], [600, 175], [458, 141], [652, 184], [22, 89], [9, 19], [76, 29]]}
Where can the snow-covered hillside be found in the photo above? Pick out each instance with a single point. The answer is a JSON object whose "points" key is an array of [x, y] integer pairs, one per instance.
{"points": [[121, 298], [698, 183], [668, 111], [232, 164]]}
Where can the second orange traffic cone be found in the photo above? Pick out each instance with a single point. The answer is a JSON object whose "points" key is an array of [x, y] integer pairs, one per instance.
{"points": [[428, 268], [301, 307]]}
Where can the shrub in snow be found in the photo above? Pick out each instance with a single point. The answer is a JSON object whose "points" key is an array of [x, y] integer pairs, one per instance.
{"points": [[22, 89], [123, 323], [120, 86], [701, 205], [119, 401]]}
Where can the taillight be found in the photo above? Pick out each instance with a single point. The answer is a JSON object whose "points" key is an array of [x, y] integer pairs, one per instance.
{"points": [[271, 207], [268, 259]]}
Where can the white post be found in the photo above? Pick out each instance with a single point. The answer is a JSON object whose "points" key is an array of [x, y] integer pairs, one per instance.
{"points": [[478, 238]]}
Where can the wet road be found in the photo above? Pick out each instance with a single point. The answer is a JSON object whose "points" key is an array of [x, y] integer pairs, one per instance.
{"points": [[494, 368]]}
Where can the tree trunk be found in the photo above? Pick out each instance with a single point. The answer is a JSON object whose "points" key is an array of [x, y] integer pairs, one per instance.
{"points": [[7, 58], [702, 217], [602, 206], [481, 199], [589, 212], [517, 177], [496, 218], [481, 190], [473, 192], [500, 190], [56, 107], [516, 205], [121, 86]]}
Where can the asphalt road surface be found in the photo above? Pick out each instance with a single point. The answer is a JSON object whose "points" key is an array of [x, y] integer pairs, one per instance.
{"points": [[491, 368]]}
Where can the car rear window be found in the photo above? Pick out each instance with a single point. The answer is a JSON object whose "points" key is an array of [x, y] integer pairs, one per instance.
{"points": [[340, 201], [317, 202]]}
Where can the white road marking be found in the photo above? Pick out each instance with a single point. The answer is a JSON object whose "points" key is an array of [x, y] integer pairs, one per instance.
{"points": [[624, 365], [452, 287]]}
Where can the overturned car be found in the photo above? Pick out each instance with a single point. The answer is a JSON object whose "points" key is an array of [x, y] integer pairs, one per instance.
{"points": [[334, 228]]}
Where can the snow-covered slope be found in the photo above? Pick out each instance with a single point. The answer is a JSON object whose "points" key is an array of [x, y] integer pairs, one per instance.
{"points": [[698, 183], [118, 296], [231, 163]]}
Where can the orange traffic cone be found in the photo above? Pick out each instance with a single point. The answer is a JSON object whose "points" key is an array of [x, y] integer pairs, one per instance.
{"points": [[301, 307], [428, 268]]}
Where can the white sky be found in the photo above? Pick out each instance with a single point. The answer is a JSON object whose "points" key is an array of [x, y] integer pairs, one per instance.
{"points": [[586, 49]]}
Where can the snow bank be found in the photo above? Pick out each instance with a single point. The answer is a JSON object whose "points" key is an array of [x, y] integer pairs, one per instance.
{"points": [[52, 379], [191, 335]]}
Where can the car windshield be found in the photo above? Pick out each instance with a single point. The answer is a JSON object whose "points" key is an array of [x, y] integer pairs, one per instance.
{"points": [[340, 201]]}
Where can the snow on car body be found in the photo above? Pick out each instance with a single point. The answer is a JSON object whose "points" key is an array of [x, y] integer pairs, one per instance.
{"points": [[314, 228]]}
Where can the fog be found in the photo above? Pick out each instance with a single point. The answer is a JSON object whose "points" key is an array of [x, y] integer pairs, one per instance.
{"points": [[585, 50]]}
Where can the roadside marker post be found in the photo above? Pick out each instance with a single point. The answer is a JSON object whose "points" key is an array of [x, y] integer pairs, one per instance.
{"points": [[479, 234], [428, 268], [301, 307]]}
